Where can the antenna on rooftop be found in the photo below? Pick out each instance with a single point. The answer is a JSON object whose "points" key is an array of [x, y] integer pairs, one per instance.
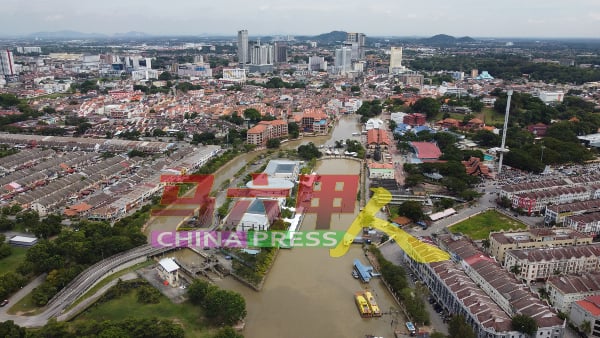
{"points": [[502, 149]]}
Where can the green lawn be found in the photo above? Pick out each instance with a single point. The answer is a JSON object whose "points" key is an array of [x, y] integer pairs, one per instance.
{"points": [[11, 262], [108, 279], [491, 117], [189, 316], [25, 307], [479, 226]]}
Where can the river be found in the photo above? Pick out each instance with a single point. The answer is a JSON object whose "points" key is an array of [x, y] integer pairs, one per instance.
{"points": [[309, 294]]}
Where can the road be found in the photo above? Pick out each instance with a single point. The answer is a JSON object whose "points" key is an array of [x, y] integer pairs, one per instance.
{"points": [[76, 288], [392, 253]]}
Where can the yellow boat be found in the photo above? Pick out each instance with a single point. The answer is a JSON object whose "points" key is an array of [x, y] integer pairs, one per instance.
{"points": [[375, 311], [363, 306]]}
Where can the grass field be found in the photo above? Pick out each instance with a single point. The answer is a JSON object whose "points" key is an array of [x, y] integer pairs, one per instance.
{"points": [[11, 262], [491, 117], [25, 307], [107, 280], [479, 226], [189, 316]]}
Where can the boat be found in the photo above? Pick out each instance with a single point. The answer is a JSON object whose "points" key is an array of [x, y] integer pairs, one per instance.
{"points": [[375, 311], [363, 306]]}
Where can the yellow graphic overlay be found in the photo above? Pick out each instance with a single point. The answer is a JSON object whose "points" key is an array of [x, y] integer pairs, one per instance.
{"points": [[419, 251]]}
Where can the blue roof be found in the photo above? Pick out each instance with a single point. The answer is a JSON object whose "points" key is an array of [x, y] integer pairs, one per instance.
{"points": [[364, 271]]}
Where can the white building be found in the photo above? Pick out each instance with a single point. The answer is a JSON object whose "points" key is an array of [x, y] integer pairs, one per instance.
{"points": [[168, 270], [242, 48], [537, 264], [144, 74], [7, 63], [343, 60], [587, 311], [317, 63], [550, 97], [262, 54], [29, 50], [234, 75], [563, 291], [396, 60]]}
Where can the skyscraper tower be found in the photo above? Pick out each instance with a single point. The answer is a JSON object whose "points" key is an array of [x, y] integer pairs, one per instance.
{"points": [[242, 48], [7, 63], [395, 59], [358, 41]]}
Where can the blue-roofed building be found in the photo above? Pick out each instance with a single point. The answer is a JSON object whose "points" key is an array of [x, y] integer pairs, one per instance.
{"points": [[484, 76], [364, 271], [402, 128], [419, 129]]}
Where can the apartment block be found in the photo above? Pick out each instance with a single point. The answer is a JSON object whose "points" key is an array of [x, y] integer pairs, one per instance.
{"points": [[502, 242], [556, 213], [475, 286], [266, 130], [587, 311], [585, 223], [565, 290], [542, 263]]}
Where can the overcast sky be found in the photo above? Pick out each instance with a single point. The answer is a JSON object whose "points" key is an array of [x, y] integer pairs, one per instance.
{"points": [[476, 18]]}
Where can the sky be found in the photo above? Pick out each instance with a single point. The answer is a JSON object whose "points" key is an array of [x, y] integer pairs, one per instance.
{"points": [[475, 18]]}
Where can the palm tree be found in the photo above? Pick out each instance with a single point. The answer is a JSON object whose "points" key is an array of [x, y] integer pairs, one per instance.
{"points": [[515, 269], [486, 244], [586, 327]]}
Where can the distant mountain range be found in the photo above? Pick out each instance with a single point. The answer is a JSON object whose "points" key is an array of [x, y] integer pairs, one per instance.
{"points": [[325, 38], [67, 34], [440, 39]]}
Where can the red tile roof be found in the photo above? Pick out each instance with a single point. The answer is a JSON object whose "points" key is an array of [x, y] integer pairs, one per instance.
{"points": [[426, 150], [591, 304]]}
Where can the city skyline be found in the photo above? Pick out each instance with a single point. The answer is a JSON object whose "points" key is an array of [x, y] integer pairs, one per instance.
{"points": [[534, 18]]}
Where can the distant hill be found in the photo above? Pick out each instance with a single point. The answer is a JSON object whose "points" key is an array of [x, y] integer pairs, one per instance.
{"points": [[443, 39], [330, 37]]}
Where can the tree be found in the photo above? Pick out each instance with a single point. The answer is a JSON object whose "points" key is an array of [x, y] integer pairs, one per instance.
{"points": [[227, 332], [293, 130], [273, 143], [148, 295], [586, 327], [198, 290], [458, 328], [515, 269], [524, 324], [252, 114], [427, 106], [10, 329], [412, 210], [223, 306], [165, 76], [309, 151]]}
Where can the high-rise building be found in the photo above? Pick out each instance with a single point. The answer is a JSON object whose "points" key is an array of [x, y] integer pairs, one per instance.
{"points": [[317, 63], [261, 58], [396, 59], [343, 60], [262, 54], [242, 48], [281, 50], [357, 42], [7, 63]]}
